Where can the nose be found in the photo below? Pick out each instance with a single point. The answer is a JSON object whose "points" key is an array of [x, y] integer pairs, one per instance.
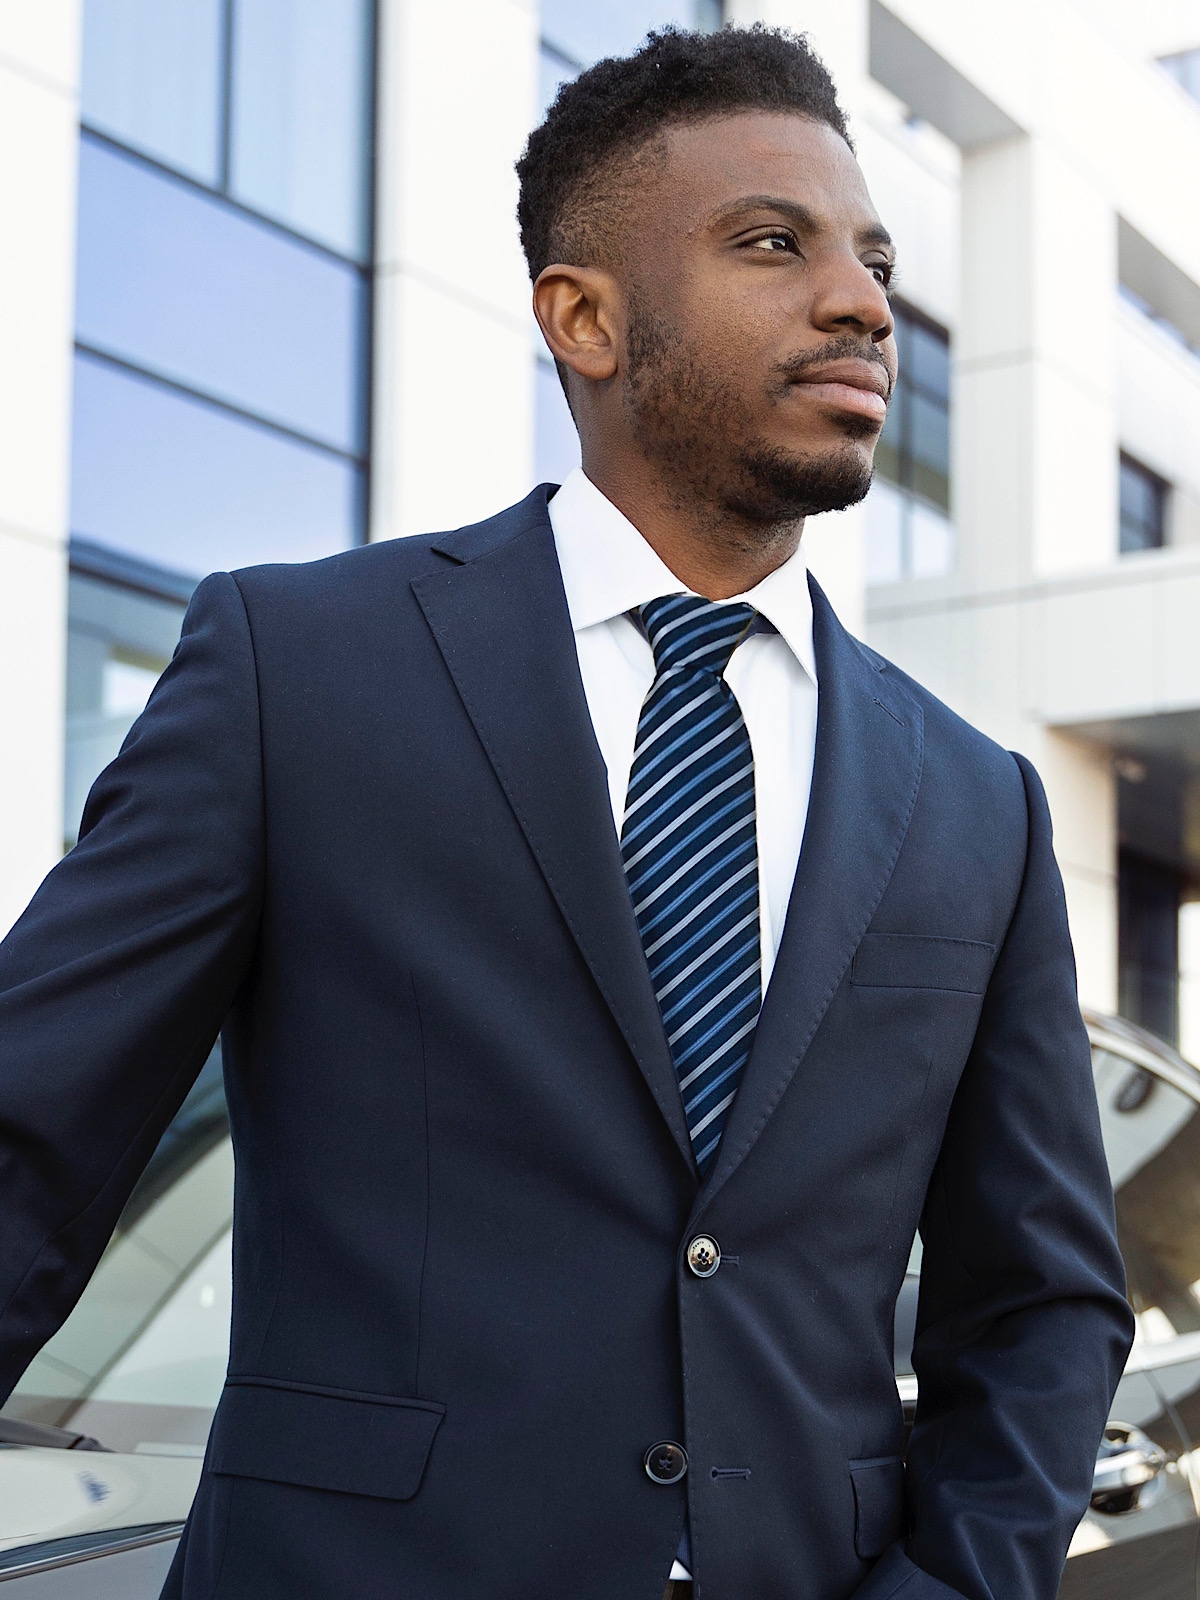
{"points": [[850, 299]]}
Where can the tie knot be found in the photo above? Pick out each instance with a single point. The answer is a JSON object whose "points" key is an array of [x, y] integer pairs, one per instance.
{"points": [[687, 631]]}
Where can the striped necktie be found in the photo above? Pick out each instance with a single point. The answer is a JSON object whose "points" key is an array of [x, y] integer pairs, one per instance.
{"points": [[691, 855]]}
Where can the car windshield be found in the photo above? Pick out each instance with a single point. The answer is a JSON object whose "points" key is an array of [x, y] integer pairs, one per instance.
{"points": [[139, 1364]]}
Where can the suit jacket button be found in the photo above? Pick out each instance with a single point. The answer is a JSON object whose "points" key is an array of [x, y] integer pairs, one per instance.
{"points": [[703, 1256], [665, 1462]]}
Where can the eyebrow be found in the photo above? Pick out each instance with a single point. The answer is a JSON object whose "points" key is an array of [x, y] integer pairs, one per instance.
{"points": [[804, 219]]}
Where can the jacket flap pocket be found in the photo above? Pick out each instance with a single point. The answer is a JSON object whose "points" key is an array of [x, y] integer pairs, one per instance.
{"points": [[919, 961], [323, 1438], [878, 1504]]}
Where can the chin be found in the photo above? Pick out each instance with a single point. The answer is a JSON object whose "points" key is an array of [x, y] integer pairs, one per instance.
{"points": [[776, 484]]}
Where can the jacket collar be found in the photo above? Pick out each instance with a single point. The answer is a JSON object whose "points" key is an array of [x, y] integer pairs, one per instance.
{"points": [[499, 614]]}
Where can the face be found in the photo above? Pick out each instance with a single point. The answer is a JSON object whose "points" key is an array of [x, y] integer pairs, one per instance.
{"points": [[758, 352]]}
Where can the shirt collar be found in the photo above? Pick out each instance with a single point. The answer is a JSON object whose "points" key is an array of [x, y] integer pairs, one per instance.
{"points": [[608, 568]]}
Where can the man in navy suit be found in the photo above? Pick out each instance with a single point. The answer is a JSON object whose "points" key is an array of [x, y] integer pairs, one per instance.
{"points": [[618, 964]]}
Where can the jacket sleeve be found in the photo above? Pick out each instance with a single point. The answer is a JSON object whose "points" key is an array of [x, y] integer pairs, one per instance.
{"points": [[1022, 1325], [117, 978]]}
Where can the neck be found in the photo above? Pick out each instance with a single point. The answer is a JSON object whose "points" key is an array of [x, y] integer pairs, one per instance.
{"points": [[713, 552]]}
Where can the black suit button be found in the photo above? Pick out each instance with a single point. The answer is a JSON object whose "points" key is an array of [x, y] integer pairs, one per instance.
{"points": [[703, 1256], [666, 1462]]}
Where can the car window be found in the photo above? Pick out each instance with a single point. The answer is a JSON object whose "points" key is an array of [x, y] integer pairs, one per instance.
{"points": [[139, 1364], [1151, 1134]]}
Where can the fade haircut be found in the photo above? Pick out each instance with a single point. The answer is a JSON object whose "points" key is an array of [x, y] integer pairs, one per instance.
{"points": [[583, 163]]}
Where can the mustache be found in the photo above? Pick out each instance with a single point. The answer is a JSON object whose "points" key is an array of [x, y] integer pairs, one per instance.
{"points": [[846, 348]]}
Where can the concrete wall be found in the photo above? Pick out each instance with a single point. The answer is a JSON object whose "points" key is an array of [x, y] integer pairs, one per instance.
{"points": [[1042, 625], [39, 50], [453, 385]]}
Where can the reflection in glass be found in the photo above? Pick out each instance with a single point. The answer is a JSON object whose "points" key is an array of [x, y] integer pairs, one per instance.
{"points": [[188, 486], [140, 1362], [151, 78], [181, 283], [300, 120], [1152, 1139]]}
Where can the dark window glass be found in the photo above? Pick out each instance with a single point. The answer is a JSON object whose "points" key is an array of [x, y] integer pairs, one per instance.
{"points": [[151, 77], [1148, 898], [914, 446], [180, 283], [1143, 504], [301, 111], [929, 361], [186, 484]]}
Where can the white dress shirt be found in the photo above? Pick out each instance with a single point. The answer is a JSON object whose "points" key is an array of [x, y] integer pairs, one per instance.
{"points": [[609, 570]]}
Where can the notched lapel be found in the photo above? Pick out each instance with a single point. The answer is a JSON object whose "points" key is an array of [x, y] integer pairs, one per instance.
{"points": [[867, 770], [500, 619]]}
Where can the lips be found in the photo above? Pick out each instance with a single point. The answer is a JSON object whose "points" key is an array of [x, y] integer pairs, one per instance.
{"points": [[854, 386]]}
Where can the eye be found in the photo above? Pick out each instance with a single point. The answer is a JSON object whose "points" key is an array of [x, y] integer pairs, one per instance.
{"points": [[779, 242], [882, 271]]}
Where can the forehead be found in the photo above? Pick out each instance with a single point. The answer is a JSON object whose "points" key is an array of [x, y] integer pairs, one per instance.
{"points": [[705, 167]]}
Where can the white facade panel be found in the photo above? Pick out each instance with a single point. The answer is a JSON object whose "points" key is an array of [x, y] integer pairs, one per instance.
{"points": [[38, 145]]}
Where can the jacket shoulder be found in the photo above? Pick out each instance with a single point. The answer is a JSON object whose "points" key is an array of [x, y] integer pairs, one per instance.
{"points": [[949, 738]]}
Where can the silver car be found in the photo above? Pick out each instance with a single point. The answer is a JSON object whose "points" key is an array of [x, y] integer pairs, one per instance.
{"points": [[101, 1444]]}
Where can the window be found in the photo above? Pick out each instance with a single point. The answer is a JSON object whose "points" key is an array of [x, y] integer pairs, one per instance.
{"points": [[120, 637], [1149, 894], [1143, 496], [266, 100], [196, 488], [573, 37], [223, 304], [914, 447], [909, 534], [177, 283], [299, 116]]}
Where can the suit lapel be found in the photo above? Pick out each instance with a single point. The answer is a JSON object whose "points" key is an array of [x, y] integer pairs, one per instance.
{"points": [[865, 778], [500, 618]]}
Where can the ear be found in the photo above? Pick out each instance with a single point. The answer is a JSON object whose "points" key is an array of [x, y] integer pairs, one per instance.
{"points": [[576, 308]]}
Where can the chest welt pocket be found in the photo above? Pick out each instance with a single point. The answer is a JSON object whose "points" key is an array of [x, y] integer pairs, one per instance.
{"points": [[323, 1438], [878, 1504], [921, 961]]}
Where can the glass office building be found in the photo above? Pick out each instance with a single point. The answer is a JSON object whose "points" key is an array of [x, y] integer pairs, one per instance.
{"points": [[223, 322]]}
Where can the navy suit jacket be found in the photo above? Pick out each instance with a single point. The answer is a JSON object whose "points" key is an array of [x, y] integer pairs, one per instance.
{"points": [[363, 824]]}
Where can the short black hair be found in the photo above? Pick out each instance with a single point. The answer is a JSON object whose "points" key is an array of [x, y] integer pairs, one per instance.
{"points": [[570, 168]]}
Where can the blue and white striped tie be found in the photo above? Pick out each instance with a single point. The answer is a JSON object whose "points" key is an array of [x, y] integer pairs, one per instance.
{"points": [[691, 855]]}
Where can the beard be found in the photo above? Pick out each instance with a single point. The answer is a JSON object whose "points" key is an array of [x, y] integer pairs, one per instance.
{"points": [[698, 429]]}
